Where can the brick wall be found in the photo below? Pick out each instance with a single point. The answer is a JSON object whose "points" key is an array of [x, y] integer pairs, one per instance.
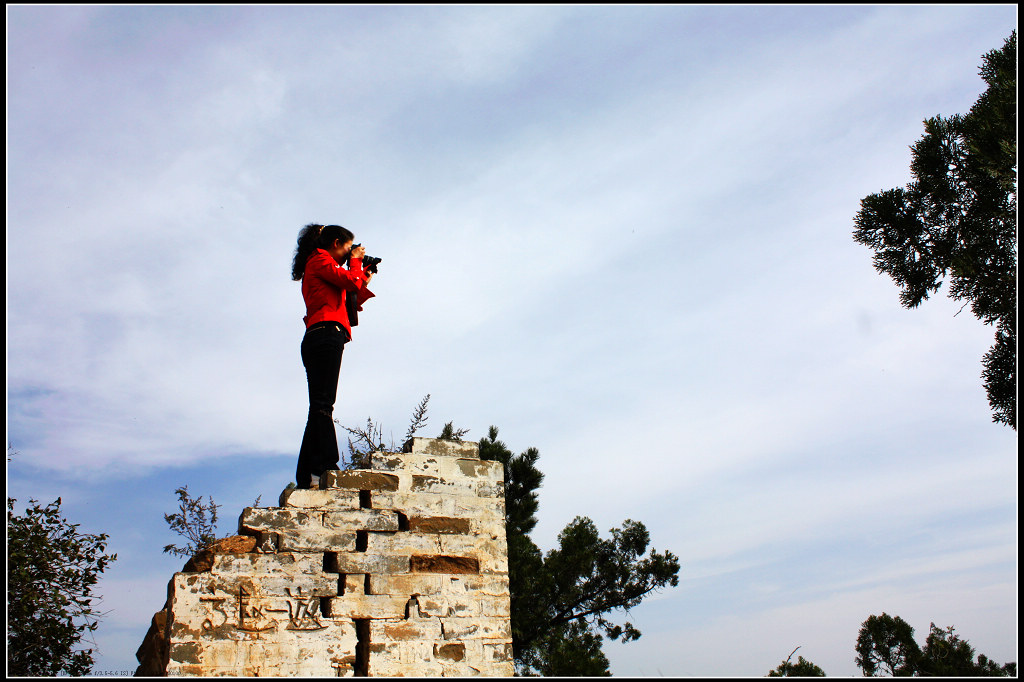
{"points": [[400, 570]]}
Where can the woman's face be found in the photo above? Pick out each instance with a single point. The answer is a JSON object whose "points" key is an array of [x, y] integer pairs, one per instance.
{"points": [[339, 250]]}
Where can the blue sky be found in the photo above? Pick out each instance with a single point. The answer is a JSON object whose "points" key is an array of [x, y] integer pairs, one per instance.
{"points": [[621, 234]]}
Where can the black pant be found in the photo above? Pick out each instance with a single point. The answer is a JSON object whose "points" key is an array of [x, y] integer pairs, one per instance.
{"points": [[322, 347]]}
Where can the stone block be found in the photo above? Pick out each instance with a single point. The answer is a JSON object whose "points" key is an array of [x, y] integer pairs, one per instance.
{"points": [[360, 562], [316, 539], [492, 607], [491, 554], [409, 584], [440, 524], [443, 448], [497, 651], [359, 479], [484, 585], [277, 519], [450, 652], [438, 563], [492, 489], [457, 506], [204, 558], [483, 469], [354, 583], [405, 630], [291, 563], [362, 519], [372, 606], [434, 606], [443, 486], [476, 628], [338, 498], [267, 542], [413, 464]]}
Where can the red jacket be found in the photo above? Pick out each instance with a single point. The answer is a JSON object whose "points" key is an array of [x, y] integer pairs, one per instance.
{"points": [[326, 285]]}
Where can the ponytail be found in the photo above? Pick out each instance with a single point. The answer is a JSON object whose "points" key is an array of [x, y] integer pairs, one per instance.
{"points": [[312, 237]]}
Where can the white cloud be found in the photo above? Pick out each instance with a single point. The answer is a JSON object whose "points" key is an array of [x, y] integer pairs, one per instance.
{"points": [[620, 234]]}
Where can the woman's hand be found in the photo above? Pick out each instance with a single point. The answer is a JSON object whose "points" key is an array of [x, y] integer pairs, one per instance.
{"points": [[358, 251]]}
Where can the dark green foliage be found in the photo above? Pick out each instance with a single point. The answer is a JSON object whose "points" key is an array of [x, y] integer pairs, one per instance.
{"points": [[561, 600], [958, 218], [802, 668], [947, 655], [449, 432], [572, 650], [886, 646], [195, 521], [51, 571]]}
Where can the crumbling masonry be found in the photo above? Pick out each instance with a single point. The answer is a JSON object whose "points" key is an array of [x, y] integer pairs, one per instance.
{"points": [[398, 570]]}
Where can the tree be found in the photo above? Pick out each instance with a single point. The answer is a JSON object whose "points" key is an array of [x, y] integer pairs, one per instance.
{"points": [[51, 572], [947, 655], [886, 646], [562, 600], [958, 219], [802, 668]]}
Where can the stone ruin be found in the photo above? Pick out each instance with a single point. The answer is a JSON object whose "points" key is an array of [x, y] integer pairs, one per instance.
{"points": [[398, 570]]}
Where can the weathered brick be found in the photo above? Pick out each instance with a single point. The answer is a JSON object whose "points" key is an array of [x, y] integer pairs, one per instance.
{"points": [[414, 464], [408, 584], [444, 486], [254, 519], [368, 606], [468, 506], [442, 448], [476, 628], [450, 652], [318, 539], [405, 630], [203, 559], [439, 524], [361, 519], [359, 479], [340, 498], [478, 468], [359, 562], [267, 564], [438, 563], [355, 583]]}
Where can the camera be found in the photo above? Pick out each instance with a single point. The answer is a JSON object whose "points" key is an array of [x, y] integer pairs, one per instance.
{"points": [[369, 262]]}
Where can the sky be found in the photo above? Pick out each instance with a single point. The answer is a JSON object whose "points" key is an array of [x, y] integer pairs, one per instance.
{"points": [[620, 234]]}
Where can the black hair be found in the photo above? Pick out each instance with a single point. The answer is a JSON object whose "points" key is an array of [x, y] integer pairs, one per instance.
{"points": [[312, 237]]}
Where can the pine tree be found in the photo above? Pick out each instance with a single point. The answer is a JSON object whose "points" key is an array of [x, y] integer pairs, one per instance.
{"points": [[958, 219]]}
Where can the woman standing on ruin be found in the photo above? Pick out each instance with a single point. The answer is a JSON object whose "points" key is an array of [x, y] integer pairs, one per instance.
{"points": [[333, 294]]}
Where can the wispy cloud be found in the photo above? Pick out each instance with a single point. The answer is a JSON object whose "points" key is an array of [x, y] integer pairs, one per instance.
{"points": [[622, 234]]}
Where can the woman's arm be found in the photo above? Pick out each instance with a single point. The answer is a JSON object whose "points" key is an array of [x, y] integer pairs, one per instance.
{"points": [[326, 268]]}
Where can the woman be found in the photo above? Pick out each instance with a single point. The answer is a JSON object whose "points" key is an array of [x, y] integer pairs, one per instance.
{"points": [[329, 290]]}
